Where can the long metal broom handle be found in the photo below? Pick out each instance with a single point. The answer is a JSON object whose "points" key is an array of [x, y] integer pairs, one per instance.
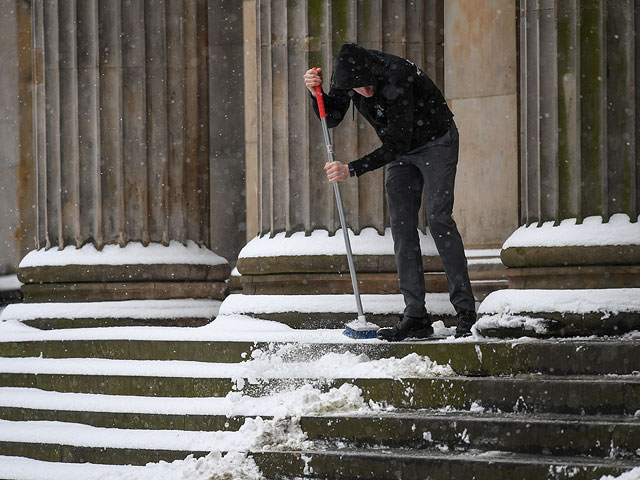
{"points": [[336, 190]]}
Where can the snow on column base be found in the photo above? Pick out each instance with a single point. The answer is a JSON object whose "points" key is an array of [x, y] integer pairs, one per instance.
{"points": [[124, 273], [560, 313]]}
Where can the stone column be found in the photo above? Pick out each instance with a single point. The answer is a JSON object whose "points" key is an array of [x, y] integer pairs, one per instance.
{"points": [[481, 86], [16, 155], [123, 146], [579, 161], [290, 200]]}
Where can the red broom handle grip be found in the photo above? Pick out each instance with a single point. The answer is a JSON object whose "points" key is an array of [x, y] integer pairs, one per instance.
{"points": [[320, 100]]}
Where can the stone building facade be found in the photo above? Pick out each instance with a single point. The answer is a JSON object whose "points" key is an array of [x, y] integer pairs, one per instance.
{"points": [[155, 122]]}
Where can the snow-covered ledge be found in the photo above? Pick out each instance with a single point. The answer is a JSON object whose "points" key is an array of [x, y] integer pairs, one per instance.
{"points": [[132, 272], [321, 252], [133, 253], [592, 254], [319, 242], [591, 242], [545, 313]]}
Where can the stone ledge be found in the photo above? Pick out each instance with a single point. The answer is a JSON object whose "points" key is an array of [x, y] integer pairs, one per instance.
{"points": [[571, 256], [81, 322], [332, 283], [327, 264], [113, 291], [123, 273], [575, 277]]}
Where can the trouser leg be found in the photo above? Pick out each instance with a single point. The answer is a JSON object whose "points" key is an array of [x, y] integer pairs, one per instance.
{"points": [[403, 183], [438, 163]]}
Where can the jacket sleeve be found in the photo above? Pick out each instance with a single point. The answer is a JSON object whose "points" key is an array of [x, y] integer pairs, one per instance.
{"points": [[396, 136], [336, 104]]}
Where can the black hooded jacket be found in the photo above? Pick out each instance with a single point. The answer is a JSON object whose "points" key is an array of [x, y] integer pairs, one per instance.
{"points": [[406, 110]]}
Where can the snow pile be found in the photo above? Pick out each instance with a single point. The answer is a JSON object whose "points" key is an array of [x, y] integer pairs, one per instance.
{"points": [[630, 475], [613, 300], [215, 466], [319, 242], [591, 232], [9, 282], [134, 253], [274, 364], [305, 400], [280, 433], [508, 321]]}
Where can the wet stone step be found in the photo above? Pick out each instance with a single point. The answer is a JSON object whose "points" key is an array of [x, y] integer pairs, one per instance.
{"points": [[600, 436], [612, 395], [349, 464], [554, 357]]}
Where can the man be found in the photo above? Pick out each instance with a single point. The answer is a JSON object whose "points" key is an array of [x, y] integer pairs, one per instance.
{"points": [[419, 147]]}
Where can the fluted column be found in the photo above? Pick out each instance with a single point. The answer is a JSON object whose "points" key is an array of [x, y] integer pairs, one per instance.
{"points": [[292, 195], [579, 161], [123, 140]]}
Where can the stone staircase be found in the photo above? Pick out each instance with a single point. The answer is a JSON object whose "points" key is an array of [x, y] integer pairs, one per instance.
{"points": [[529, 409]]}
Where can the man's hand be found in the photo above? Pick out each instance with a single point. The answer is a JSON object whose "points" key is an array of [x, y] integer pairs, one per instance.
{"points": [[336, 171], [312, 79]]}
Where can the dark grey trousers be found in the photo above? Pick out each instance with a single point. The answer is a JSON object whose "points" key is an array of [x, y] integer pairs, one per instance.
{"points": [[432, 166]]}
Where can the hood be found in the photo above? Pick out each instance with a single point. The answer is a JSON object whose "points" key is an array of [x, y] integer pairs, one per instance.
{"points": [[352, 67]]}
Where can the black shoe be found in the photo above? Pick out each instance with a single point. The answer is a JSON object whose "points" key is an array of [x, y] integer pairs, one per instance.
{"points": [[407, 327], [465, 322]]}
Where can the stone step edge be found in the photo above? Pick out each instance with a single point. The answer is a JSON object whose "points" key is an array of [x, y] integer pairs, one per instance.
{"points": [[593, 395], [348, 464], [69, 403]]}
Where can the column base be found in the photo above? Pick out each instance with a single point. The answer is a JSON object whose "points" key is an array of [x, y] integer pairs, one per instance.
{"points": [[560, 313], [88, 280]]}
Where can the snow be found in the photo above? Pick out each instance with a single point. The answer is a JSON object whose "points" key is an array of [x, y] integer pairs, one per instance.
{"points": [[319, 242], [262, 366], [630, 475], [9, 282], [619, 230], [612, 300], [437, 303], [140, 309], [228, 328], [305, 400], [215, 466], [134, 253]]}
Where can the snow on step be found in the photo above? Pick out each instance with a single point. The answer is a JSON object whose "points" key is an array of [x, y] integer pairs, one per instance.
{"points": [[263, 365], [20, 468], [300, 401], [234, 465], [437, 304], [79, 435]]}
